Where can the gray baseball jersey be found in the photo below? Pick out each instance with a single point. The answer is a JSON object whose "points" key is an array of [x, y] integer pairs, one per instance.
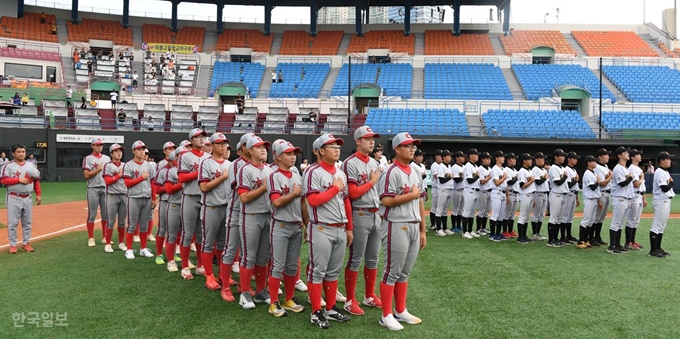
{"points": [[320, 180], [234, 212], [14, 170], [251, 177], [189, 163], [134, 170], [209, 170], [620, 173], [19, 208], [358, 172], [396, 181], [280, 182], [161, 175], [111, 169], [293, 169], [172, 177], [91, 163]]}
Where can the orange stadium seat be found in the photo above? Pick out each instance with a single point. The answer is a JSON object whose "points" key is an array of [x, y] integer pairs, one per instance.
{"points": [[301, 43], [187, 35], [524, 41], [393, 40], [250, 38], [327, 43], [443, 42], [671, 54], [28, 27], [613, 44], [101, 30]]}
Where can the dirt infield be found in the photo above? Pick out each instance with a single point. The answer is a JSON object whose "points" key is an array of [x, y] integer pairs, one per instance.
{"points": [[56, 219]]}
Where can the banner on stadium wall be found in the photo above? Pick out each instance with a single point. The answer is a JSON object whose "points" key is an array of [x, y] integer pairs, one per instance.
{"points": [[162, 48], [86, 139]]}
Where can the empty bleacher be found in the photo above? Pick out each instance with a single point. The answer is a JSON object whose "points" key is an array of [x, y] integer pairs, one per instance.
{"points": [[394, 79], [101, 30], [395, 41], [540, 80], [298, 85], [22, 121], [302, 43], [450, 122], [536, 124], [443, 42], [613, 44], [249, 74], [465, 81], [209, 116], [276, 120], [646, 83], [642, 124], [187, 35], [29, 27], [31, 54], [524, 41], [336, 121], [246, 122], [327, 43], [249, 38]]}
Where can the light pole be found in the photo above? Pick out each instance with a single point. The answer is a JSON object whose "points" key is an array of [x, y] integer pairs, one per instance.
{"points": [[545, 18]]}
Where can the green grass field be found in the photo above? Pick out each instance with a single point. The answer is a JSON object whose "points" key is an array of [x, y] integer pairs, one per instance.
{"points": [[460, 288]]}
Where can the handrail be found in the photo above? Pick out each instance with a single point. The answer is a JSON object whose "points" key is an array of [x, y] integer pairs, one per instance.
{"points": [[462, 60], [26, 44], [305, 60]]}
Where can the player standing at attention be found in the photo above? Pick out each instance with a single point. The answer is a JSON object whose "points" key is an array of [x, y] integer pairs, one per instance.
{"points": [[591, 203], [471, 193], [457, 193], [663, 193], [207, 146], [558, 193], [116, 203], [622, 198], [605, 174], [572, 197], [435, 222], [499, 198], [526, 195], [484, 200], [93, 165], [141, 197], [284, 188], [445, 186], [21, 179], [330, 229], [187, 169], [173, 209], [403, 231], [639, 202], [513, 191], [159, 181], [362, 177], [540, 195]]}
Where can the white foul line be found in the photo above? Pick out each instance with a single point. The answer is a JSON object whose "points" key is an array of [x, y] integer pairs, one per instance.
{"points": [[54, 233]]}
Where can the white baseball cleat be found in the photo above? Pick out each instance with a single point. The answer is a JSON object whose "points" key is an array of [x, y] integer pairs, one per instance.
{"points": [[108, 248], [390, 323], [135, 238], [150, 237], [323, 302], [467, 235], [146, 252], [339, 297], [200, 270], [300, 286], [408, 318], [122, 247], [186, 273], [246, 301], [193, 247], [440, 233], [103, 241], [448, 232], [129, 254], [177, 250], [475, 234], [172, 266], [235, 268], [91, 242]]}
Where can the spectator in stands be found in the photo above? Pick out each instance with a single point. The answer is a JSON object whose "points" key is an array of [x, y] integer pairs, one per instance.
{"points": [[121, 116], [304, 164], [83, 102], [280, 77], [32, 160], [43, 18], [69, 97], [93, 103], [311, 118], [171, 64], [240, 104], [24, 100], [16, 100], [127, 72], [149, 123], [374, 60], [134, 79], [273, 77], [54, 28], [171, 75], [89, 67], [650, 168], [100, 54], [114, 99], [148, 54]]}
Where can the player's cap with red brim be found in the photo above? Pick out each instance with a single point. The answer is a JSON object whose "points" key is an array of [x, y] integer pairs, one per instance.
{"points": [[365, 132], [217, 138], [168, 145], [196, 132], [257, 141], [286, 147], [404, 138], [138, 144], [115, 147], [326, 139], [97, 141]]}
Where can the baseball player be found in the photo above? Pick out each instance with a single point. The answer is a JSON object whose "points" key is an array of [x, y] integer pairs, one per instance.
{"points": [[255, 221], [605, 174], [513, 191], [558, 193], [457, 193], [187, 170], [526, 193], [184, 147], [149, 233], [21, 179], [471, 193], [499, 198], [116, 202], [445, 186], [207, 146], [159, 180], [663, 193], [141, 197], [284, 189], [571, 200], [403, 230], [435, 222], [362, 177], [540, 195], [639, 202], [93, 165], [622, 198], [173, 207], [213, 173], [591, 203], [330, 229], [485, 188]]}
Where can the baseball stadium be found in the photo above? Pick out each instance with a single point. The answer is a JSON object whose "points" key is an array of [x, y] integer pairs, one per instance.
{"points": [[395, 145]]}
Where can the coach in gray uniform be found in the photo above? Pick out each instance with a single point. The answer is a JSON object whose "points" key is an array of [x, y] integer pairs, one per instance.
{"points": [[605, 174], [540, 196], [92, 170]]}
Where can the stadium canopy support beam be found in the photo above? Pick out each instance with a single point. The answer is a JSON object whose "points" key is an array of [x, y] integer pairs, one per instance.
{"points": [[74, 11], [456, 17], [407, 17], [357, 17], [313, 16], [20, 8], [126, 13], [220, 9], [173, 19], [506, 18], [268, 16]]}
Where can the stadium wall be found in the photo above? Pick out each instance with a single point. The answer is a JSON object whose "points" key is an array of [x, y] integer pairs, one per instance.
{"points": [[8, 8]]}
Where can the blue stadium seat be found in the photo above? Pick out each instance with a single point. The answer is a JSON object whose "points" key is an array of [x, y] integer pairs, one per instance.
{"points": [[251, 76], [394, 79], [658, 84], [465, 82], [308, 86], [418, 121], [618, 121], [536, 124], [539, 80]]}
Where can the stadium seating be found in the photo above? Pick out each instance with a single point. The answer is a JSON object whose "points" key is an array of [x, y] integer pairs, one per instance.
{"points": [[28, 27], [613, 44], [420, 121], [101, 30], [646, 83], [250, 38], [524, 41], [29, 54], [394, 79], [536, 124], [297, 85], [231, 72], [327, 43], [539, 81], [641, 122], [443, 42], [465, 81], [671, 54], [395, 41], [187, 35], [301, 43]]}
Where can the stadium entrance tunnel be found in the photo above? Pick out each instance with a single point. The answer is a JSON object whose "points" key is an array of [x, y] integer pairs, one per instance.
{"points": [[542, 55], [228, 92], [103, 89], [574, 98], [365, 96]]}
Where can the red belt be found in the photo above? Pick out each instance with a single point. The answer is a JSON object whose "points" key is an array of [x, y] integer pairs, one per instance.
{"points": [[342, 224], [372, 209], [19, 195]]}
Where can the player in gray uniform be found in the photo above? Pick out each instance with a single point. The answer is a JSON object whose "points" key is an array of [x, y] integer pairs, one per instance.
{"points": [[213, 173], [173, 208], [513, 191], [526, 190], [605, 175], [116, 202], [471, 193], [330, 228], [284, 189], [444, 178], [639, 202], [622, 197], [558, 193], [457, 193], [92, 170], [362, 174], [434, 220], [403, 230], [161, 173], [21, 179], [663, 193], [499, 198], [141, 197], [485, 188], [187, 169], [255, 221], [571, 200], [540, 195], [591, 203]]}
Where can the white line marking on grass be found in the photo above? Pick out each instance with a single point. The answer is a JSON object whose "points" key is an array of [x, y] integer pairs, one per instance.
{"points": [[53, 233]]}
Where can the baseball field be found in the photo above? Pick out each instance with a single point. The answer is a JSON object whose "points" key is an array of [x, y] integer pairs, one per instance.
{"points": [[460, 288]]}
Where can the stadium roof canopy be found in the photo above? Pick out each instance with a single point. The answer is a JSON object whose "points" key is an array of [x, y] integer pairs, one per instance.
{"points": [[350, 3]]}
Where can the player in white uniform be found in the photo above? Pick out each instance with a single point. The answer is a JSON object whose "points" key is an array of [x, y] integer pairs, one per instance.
{"points": [[434, 168], [558, 193], [622, 198], [485, 187], [471, 193], [605, 174], [526, 192], [457, 193], [639, 202], [513, 192], [445, 184], [663, 193], [499, 197], [572, 197], [540, 195], [591, 203]]}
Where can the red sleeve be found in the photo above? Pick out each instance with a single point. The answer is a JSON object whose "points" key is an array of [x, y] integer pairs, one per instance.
{"points": [[110, 180], [9, 181], [160, 189], [36, 187], [187, 177], [129, 182], [355, 192], [242, 190], [153, 192], [318, 199], [348, 212], [171, 188], [274, 196]]}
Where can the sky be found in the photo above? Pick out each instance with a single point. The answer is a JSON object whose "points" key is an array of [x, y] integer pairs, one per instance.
{"points": [[523, 11]]}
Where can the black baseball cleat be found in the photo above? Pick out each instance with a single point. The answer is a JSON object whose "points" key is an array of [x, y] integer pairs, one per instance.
{"points": [[656, 254], [319, 320], [613, 250], [572, 239], [334, 314]]}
